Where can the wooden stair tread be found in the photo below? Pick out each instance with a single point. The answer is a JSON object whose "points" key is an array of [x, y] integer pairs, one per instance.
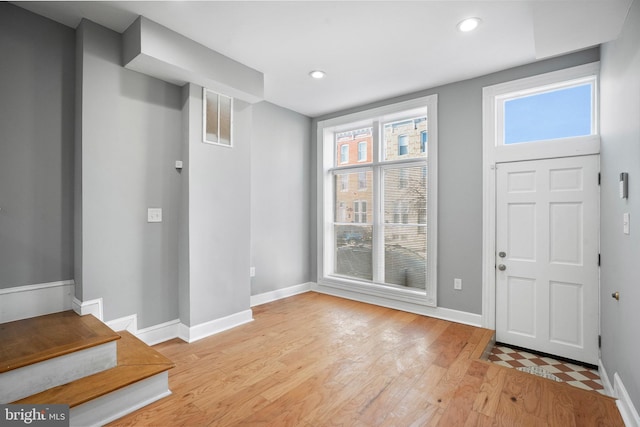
{"points": [[29, 341], [136, 361]]}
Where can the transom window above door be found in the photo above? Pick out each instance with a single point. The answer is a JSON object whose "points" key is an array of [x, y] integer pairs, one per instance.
{"points": [[545, 116]]}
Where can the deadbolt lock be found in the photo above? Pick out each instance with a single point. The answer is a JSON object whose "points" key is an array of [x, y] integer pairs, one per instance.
{"points": [[502, 254]]}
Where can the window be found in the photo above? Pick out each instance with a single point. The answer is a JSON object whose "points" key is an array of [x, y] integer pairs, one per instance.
{"points": [[360, 211], [217, 118], [341, 214], [545, 116], [362, 151], [403, 145], [362, 180], [380, 235], [344, 182], [563, 112], [344, 153]]}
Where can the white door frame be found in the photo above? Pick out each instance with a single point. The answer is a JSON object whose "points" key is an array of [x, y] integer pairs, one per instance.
{"points": [[492, 154]]}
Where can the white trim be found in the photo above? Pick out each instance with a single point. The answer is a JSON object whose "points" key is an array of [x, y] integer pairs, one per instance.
{"points": [[36, 287], [203, 330], [437, 312], [94, 306], [159, 333], [151, 335], [625, 405], [126, 323], [23, 302], [266, 297], [604, 378], [204, 119]]}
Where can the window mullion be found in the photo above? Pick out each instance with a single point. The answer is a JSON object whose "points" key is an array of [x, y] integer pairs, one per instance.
{"points": [[377, 243]]}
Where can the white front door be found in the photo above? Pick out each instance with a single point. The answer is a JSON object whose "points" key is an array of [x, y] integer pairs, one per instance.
{"points": [[547, 286]]}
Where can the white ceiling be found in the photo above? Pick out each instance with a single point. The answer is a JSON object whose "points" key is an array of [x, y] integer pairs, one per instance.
{"points": [[370, 50]]}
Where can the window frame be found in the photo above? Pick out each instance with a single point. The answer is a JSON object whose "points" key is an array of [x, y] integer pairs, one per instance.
{"points": [[376, 118], [205, 137]]}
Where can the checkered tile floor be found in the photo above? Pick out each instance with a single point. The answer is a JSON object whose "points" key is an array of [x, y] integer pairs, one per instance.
{"points": [[576, 375]]}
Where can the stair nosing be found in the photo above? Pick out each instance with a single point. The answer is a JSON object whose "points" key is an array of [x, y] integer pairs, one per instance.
{"points": [[146, 370], [22, 361]]}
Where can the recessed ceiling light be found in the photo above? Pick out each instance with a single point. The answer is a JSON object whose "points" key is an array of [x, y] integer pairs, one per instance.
{"points": [[317, 74], [469, 24]]}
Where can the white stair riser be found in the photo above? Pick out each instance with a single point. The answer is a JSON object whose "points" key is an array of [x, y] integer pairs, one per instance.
{"points": [[121, 402], [22, 382]]}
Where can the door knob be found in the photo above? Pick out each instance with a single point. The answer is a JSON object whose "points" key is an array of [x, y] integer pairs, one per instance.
{"points": [[502, 267], [616, 295]]}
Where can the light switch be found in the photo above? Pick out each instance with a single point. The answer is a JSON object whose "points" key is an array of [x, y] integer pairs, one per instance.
{"points": [[457, 284], [154, 215], [625, 223]]}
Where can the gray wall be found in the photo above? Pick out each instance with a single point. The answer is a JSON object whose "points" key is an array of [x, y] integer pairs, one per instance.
{"points": [[130, 139], [459, 177], [280, 179], [36, 148], [620, 130]]}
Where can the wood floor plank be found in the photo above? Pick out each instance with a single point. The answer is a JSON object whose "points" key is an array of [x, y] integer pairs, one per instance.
{"points": [[316, 360]]}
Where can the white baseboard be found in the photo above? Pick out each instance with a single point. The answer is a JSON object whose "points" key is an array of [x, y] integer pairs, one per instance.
{"points": [[279, 294], [625, 405], [23, 302], [604, 378], [203, 330], [93, 306], [437, 312], [127, 323], [159, 333]]}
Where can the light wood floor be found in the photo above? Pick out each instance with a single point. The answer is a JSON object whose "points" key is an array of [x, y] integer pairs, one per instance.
{"points": [[316, 360]]}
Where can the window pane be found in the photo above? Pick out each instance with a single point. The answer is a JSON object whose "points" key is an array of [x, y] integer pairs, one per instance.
{"points": [[344, 154], [405, 253], [403, 139], [561, 113], [363, 179], [212, 117], [362, 151], [354, 146], [403, 145], [225, 120], [405, 195], [353, 251], [354, 196]]}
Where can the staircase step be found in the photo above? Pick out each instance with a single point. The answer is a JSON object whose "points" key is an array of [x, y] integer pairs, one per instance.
{"points": [[139, 378], [50, 350]]}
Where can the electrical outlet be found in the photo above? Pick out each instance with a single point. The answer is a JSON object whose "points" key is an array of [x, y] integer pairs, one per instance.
{"points": [[252, 272], [457, 284]]}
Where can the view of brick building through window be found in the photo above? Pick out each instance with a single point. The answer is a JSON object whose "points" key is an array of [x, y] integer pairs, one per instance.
{"points": [[403, 195]]}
